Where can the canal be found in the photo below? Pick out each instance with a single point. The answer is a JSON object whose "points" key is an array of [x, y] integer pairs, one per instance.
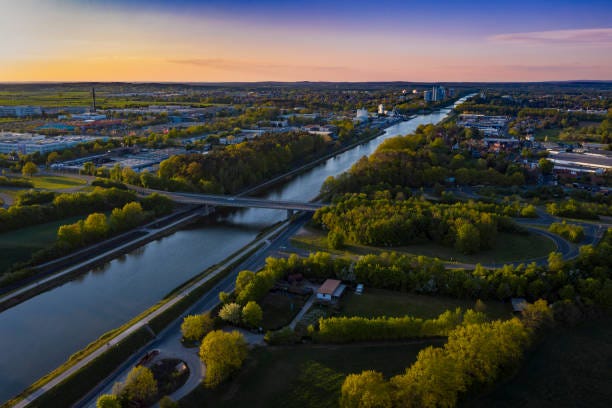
{"points": [[38, 335]]}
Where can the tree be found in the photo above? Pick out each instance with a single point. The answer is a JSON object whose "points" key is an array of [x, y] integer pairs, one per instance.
{"points": [[335, 239], [243, 279], [129, 176], [168, 402], [252, 314], [537, 315], [468, 238], [555, 261], [225, 297], [52, 158], [365, 390], [108, 401], [88, 168], [546, 166], [71, 235], [140, 386], [29, 169], [195, 327], [231, 312], [222, 353], [95, 227]]}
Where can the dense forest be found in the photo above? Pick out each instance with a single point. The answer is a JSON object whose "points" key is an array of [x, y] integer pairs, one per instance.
{"points": [[424, 159], [470, 227], [238, 166]]}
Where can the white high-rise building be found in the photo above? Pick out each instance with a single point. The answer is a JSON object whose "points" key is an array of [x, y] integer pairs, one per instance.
{"points": [[362, 115]]}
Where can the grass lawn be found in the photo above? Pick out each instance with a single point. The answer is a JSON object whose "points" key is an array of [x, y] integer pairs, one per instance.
{"points": [[279, 309], [378, 302], [571, 368], [19, 245], [304, 375], [509, 248], [56, 182], [552, 134]]}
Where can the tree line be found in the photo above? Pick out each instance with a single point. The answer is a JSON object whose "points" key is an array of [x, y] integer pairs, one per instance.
{"points": [[584, 283], [351, 329], [97, 226], [571, 232], [475, 355], [33, 208], [62, 206], [578, 209]]}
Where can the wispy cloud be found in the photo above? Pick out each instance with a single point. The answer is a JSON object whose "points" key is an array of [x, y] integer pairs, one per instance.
{"points": [[239, 65], [590, 36]]}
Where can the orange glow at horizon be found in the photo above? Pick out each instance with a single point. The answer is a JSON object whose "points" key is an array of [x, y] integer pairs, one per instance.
{"points": [[109, 45]]}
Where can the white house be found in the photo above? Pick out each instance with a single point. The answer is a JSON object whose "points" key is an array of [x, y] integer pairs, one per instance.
{"points": [[331, 289]]}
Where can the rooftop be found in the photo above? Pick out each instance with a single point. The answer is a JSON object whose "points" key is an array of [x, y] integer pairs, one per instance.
{"points": [[329, 286]]}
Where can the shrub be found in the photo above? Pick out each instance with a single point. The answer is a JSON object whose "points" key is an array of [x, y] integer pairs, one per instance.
{"points": [[223, 353], [231, 312], [195, 327], [252, 314]]}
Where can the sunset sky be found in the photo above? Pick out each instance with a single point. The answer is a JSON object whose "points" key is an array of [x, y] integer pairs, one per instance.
{"points": [[182, 40]]}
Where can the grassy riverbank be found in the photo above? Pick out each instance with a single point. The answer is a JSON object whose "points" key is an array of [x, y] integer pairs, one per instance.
{"points": [[509, 248], [19, 245]]}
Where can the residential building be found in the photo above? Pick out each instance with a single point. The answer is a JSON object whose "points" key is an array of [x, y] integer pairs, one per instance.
{"points": [[331, 289]]}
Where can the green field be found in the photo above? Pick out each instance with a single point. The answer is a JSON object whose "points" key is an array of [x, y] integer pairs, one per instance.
{"points": [[304, 375], [571, 368], [19, 245], [279, 309], [378, 302], [509, 248], [57, 182]]}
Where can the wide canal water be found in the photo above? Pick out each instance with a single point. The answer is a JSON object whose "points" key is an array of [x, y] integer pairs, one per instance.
{"points": [[38, 335]]}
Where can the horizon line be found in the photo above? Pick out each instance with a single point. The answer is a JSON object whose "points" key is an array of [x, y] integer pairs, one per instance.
{"points": [[297, 82]]}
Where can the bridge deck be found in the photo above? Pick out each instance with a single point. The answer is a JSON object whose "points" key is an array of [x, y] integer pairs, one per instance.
{"points": [[241, 202]]}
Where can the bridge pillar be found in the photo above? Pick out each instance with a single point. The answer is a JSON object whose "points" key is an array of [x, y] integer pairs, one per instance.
{"points": [[289, 213]]}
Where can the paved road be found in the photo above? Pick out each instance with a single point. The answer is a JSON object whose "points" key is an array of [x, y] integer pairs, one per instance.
{"points": [[169, 339]]}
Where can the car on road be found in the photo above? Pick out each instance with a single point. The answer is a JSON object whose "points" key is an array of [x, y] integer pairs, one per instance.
{"points": [[148, 357]]}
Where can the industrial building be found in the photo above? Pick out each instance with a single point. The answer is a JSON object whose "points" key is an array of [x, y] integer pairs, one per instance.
{"points": [[27, 143], [489, 126], [20, 111]]}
